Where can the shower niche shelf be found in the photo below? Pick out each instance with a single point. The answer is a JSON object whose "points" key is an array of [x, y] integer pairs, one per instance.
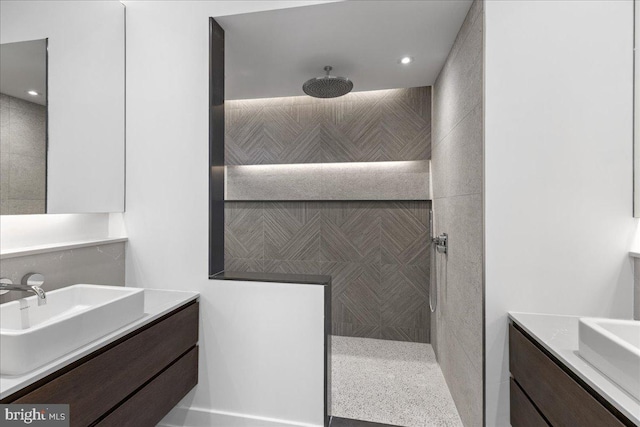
{"points": [[398, 180]]}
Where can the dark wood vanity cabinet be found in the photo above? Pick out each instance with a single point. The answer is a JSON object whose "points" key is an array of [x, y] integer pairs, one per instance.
{"points": [[544, 392], [134, 381]]}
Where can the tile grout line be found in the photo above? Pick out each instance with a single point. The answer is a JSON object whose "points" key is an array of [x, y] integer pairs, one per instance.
{"points": [[455, 126]]}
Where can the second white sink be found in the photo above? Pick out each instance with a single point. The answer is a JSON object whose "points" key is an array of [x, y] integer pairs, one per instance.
{"points": [[73, 316], [613, 347]]}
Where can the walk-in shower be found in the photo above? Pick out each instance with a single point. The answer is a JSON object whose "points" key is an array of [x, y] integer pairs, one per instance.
{"points": [[399, 295]]}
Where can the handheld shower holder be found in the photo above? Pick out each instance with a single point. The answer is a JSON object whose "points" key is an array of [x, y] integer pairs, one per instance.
{"points": [[441, 242]]}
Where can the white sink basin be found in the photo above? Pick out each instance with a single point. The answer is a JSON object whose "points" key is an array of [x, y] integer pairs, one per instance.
{"points": [[613, 347], [73, 316]]}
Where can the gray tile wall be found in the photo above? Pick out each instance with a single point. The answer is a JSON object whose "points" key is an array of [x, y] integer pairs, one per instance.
{"points": [[23, 152], [393, 124], [457, 167], [376, 253], [99, 265]]}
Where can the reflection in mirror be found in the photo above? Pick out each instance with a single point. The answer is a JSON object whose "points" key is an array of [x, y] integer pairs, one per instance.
{"points": [[23, 132]]}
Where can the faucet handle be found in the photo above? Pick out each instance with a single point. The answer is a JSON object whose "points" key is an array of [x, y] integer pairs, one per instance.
{"points": [[33, 279], [5, 281]]}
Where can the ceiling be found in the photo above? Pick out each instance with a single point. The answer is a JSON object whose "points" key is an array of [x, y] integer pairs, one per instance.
{"points": [[271, 54], [23, 67]]}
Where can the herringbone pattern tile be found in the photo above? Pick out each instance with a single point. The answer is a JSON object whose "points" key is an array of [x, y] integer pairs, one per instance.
{"points": [[405, 233], [351, 232], [383, 125], [244, 265], [376, 253], [355, 292], [405, 334], [405, 296], [244, 234], [291, 267], [244, 130], [292, 231]]}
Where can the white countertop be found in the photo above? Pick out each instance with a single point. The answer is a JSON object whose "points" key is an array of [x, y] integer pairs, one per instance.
{"points": [[559, 335], [157, 303]]}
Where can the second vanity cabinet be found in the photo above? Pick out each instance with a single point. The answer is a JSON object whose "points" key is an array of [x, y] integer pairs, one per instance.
{"points": [[544, 392], [134, 381]]}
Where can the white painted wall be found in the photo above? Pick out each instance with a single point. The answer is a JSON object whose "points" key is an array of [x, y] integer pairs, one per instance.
{"points": [[85, 160], [558, 150], [167, 186], [261, 355]]}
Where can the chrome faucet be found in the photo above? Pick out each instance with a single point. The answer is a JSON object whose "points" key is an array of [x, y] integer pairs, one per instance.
{"points": [[31, 282]]}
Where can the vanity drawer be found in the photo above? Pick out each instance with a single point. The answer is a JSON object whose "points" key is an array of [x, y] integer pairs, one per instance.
{"points": [[96, 385], [563, 401], [523, 413], [146, 407]]}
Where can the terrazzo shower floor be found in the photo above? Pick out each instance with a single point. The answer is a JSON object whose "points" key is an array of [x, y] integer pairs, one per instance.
{"points": [[389, 382]]}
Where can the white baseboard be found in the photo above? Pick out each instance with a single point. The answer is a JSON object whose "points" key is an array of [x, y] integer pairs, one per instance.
{"points": [[199, 417]]}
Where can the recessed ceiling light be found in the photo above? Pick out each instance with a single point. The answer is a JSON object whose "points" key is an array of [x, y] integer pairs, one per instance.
{"points": [[33, 93], [406, 60]]}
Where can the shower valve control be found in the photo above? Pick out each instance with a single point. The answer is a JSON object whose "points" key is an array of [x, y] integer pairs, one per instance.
{"points": [[441, 242]]}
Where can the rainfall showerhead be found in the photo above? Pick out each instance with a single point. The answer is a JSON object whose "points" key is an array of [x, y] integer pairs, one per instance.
{"points": [[327, 86]]}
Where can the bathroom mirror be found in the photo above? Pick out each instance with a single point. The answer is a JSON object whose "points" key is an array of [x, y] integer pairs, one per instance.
{"points": [[62, 149]]}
